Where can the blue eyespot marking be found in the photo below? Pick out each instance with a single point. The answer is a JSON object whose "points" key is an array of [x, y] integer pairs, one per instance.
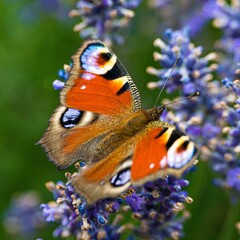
{"points": [[121, 178], [70, 117]]}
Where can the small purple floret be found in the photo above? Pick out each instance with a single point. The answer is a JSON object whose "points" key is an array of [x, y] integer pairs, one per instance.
{"points": [[233, 178], [58, 85]]}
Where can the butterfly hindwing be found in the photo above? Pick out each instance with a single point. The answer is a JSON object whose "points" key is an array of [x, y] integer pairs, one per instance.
{"points": [[108, 177]]}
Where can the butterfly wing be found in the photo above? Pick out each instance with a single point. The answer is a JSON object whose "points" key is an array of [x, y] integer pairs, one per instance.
{"points": [[155, 152], [108, 177], [99, 83], [98, 94], [74, 135], [160, 151]]}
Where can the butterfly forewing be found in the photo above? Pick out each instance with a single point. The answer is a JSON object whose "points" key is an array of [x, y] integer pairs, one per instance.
{"points": [[100, 93], [99, 83]]}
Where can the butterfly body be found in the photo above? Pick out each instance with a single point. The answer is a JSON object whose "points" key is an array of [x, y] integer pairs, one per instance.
{"points": [[100, 121]]}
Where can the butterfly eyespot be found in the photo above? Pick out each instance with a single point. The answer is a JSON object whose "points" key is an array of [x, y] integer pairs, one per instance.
{"points": [[121, 178], [94, 58], [103, 58], [70, 118], [106, 56], [183, 147]]}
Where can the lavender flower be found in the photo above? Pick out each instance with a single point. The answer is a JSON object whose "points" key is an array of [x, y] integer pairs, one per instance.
{"points": [[233, 178], [210, 119], [154, 206], [193, 14], [192, 73], [24, 217], [73, 215], [63, 75], [102, 19], [226, 16], [160, 201], [229, 147], [35, 9], [200, 16], [225, 161]]}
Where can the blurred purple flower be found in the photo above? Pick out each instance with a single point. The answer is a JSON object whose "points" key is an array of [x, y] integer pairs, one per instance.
{"points": [[37, 8], [24, 218], [200, 17], [102, 19], [191, 14], [226, 16], [233, 178]]}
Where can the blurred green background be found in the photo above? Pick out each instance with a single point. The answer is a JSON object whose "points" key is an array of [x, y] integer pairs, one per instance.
{"points": [[34, 45]]}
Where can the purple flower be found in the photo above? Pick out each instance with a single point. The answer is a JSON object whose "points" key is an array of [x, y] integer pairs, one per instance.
{"points": [[192, 73], [134, 201], [35, 9], [191, 14], [58, 85], [212, 119], [103, 19], [156, 205], [64, 75], [233, 178], [24, 216], [226, 16], [200, 16]]}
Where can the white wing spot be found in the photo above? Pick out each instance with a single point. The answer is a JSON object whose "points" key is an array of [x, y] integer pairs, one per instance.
{"points": [[87, 76], [152, 165], [163, 162]]}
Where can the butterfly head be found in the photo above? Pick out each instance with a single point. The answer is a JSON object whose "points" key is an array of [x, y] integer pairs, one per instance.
{"points": [[155, 113]]}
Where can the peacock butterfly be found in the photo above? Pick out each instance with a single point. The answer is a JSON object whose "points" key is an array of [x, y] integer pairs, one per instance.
{"points": [[100, 121]]}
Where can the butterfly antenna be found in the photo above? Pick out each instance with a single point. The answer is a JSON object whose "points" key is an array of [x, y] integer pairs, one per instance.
{"points": [[180, 99], [166, 80]]}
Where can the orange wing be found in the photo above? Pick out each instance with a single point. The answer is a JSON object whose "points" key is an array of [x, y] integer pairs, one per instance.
{"points": [[99, 83], [97, 96], [160, 151]]}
